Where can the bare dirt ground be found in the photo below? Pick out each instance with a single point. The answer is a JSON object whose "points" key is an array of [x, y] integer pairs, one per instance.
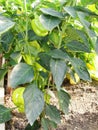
{"points": [[83, 110]]}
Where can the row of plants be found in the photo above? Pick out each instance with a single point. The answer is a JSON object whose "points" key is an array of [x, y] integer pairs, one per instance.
{"points": [[43, 42]]}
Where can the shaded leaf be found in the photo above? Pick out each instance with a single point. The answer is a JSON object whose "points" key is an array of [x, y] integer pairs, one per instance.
{"points": [[48, 124], [81, 69], [50, 11], [53, 113], [2, 73], [77, 46], [49, 22], [21, 74], [5, 114], [6, 40], [58, 54], [34, 102], [58, 69], [64, 100], [44, 60], [35, 126]]}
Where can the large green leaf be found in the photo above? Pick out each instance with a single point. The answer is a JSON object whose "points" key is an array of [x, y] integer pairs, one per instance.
{"points": [[53, 113], [48, 124], [77, 46], [34, 102], [58, 69], [49, 22], [64, 100], [5, 24], [81, 69], [49, 11], [21, 74], [58, 54], [5, 114]]}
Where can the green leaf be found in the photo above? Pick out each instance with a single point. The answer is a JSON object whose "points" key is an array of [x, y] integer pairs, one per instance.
{"points": [[81, 69], [58, 54], [64, 100], [48, 124], [16, 56], [49, 22], [71, 11], [77, 46], [53, 113], [49, 11], [5, 114], [2, 73], [35, 126], [58, 69], [21, 74], [34, 102], [44, 60], [6, 40], [5, 24]]}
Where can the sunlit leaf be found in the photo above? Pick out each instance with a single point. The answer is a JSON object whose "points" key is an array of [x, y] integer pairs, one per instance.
{"points": [[49, 22], [5, 24], [51, 12]]}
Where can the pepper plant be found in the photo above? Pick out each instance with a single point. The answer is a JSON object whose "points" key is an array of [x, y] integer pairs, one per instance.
{"points": [[43, 41]]}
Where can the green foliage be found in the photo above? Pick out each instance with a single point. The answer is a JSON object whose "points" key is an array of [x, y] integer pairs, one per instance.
{"points": [[40, 60], [5, 114]]}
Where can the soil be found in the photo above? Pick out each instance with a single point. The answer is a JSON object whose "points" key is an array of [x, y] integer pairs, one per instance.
{"points": [[83, 109]]}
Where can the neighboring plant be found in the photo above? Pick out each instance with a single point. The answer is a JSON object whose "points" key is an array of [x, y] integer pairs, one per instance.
{"points": [[47, 43]]}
